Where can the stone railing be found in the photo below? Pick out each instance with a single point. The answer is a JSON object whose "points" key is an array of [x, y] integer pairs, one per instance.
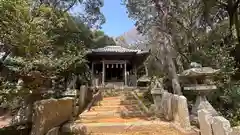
{"points": [[51, 113], [199, 81], [215, 125], [79, 97], [54, 116], [172, 108]]}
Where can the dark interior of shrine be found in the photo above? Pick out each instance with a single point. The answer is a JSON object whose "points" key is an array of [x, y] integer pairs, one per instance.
{"points": [[113, 72]]}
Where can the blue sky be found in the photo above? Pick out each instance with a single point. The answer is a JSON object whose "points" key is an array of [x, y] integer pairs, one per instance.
{"points": [[117, 21]]}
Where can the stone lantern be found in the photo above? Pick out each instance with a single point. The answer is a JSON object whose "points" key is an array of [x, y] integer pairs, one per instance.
{"points": [[198, 80]]}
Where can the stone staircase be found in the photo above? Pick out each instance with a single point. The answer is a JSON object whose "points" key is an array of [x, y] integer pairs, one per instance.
{"points": [[121, 115]]}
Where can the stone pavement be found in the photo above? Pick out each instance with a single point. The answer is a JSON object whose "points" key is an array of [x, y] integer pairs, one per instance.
{"points": [[118, 115]]}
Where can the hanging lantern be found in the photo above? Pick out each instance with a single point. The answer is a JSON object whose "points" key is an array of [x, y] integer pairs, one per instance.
{"points": [[121, 66], [116, 65], [107, 66], [112, 65]]}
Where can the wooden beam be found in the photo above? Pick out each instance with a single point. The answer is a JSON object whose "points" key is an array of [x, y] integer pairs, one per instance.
{"points": [[116, 61]]}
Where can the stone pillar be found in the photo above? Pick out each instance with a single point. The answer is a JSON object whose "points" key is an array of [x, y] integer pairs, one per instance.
{"points": [[103, 73], [205, 120], [82, 98], [125, 73], [183, 113], [221, 126], [157, 97]]}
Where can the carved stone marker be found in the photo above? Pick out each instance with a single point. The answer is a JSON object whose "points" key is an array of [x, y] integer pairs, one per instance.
{"points": [[166, 109], [175, 99], [183, 113], [221, 126], [205, 120], [157, 94]]}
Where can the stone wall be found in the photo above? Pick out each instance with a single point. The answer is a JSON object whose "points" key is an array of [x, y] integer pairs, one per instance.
{"points": [[80, 99], [171, 107], [51, 113], [215, 125]]}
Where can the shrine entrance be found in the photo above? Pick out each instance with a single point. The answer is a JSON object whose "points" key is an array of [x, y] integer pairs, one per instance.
{"points": [[114, 73], [115, 65]]}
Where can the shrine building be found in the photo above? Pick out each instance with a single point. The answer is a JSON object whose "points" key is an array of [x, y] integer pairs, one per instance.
{"points": [[115, 65]]}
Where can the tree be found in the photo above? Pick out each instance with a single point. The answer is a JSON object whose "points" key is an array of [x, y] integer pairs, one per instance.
{"points": [[152, 19], [180, 30], [43, 42]]}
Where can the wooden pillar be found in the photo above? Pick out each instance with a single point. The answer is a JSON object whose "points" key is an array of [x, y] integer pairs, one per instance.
{"points": [[93, 78], [125, 73], [135, 74], [103, 73]]}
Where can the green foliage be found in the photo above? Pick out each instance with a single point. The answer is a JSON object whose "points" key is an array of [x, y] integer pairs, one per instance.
{"points": [[20, 32], [226, 100], [44, 42]]}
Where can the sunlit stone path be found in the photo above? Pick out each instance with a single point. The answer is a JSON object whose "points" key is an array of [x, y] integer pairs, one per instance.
{"points": [[121, 115]]}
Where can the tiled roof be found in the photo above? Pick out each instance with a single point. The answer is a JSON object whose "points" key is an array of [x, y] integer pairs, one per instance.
{"points": [[118, 49]]}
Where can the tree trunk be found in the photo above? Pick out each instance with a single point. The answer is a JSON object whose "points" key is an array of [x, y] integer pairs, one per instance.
{"points": [[163, 41], [172, 74]]}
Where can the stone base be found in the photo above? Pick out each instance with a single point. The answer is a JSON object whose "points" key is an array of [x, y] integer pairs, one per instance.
{"points": [[74, 128], [202, 103]]}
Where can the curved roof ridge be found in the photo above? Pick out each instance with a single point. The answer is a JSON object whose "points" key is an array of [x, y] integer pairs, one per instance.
{"points": [[115, 48]]}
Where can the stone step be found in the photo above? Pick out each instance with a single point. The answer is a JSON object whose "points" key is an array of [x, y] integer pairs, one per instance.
{"points": [[111, 94], [118, 102], [100, 108], [114, 103], [99, 115], [109, 120], [110, 114], [118, 128], [105, 101], [130, 107], [131, 114], [115, 107], [112, 98], [110, 103], [129, 102], [120, 109]]}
